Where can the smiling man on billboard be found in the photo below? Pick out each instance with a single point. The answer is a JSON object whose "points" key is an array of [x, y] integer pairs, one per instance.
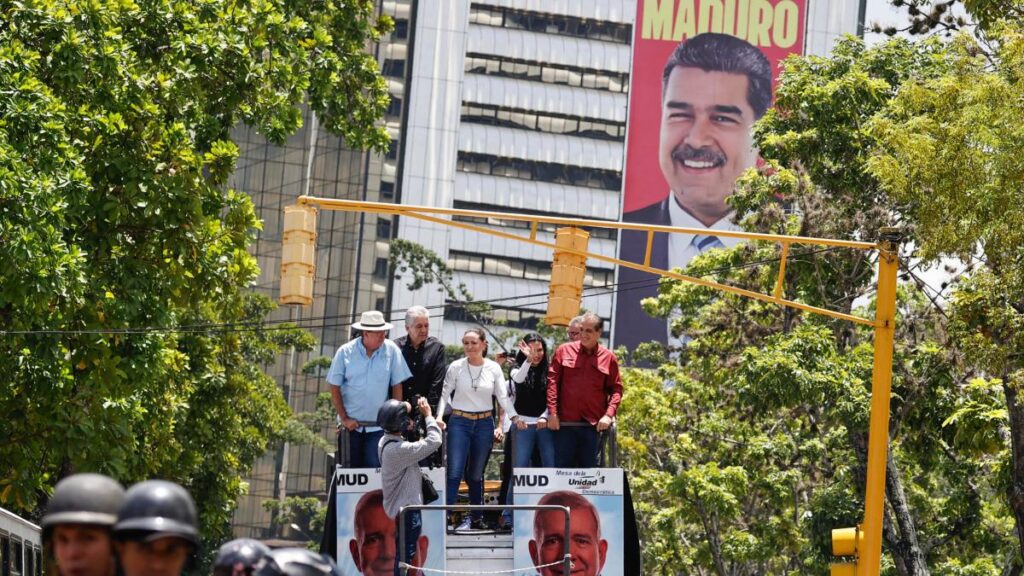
{"points": [[714, 87]]}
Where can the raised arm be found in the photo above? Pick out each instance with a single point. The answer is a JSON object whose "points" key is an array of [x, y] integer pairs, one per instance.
{"points": [[501, 391]]}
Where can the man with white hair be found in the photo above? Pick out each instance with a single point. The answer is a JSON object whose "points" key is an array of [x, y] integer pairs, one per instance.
{"points": [[425, 357], [573, 329]]}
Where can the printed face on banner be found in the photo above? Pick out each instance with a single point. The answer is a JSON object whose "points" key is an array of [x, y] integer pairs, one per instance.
{"points": [[702, 75], [367, 536], [586, 546], [373, 547], [706, 140], [594, 499]]}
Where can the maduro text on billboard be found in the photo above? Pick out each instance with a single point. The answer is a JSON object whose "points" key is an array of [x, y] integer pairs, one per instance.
{"points": [[702, 74]]}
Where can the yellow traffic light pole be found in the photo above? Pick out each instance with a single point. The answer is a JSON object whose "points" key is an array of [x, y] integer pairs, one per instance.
{"points": [[864, 542], [870, 560]]}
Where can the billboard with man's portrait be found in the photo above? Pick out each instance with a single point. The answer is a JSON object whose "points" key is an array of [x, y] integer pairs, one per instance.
{"points": [[594, 497], [366, 535], [702, 73]]}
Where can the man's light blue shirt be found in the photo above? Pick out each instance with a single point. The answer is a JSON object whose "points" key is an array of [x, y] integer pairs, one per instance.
{"points": [[366, 381]]}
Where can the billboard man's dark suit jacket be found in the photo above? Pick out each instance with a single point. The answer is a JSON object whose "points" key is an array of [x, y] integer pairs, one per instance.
{"points": [[632, 325]]}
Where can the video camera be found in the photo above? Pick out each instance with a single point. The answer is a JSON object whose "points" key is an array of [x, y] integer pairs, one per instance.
{"points": [[419, 426]]}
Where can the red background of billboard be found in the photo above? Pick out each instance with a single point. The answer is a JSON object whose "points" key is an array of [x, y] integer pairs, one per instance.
{"points": [[643, 183]]}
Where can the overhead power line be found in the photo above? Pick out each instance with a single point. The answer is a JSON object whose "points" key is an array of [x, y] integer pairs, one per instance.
{"points": [[346, 320]]}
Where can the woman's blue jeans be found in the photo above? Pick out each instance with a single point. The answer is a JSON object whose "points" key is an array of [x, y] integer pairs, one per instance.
{"points": [[524, 443], [469, 445]]}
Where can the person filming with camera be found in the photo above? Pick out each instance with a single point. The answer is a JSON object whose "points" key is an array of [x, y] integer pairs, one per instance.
{"points": [[401, 479]]}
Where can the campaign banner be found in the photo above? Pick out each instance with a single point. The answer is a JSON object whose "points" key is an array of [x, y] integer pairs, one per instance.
{"points": [[366, 536], [703, 72], [594, 498]]}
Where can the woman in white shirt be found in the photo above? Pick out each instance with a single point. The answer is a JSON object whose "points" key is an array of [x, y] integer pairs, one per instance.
{"points": [[469, 386]]}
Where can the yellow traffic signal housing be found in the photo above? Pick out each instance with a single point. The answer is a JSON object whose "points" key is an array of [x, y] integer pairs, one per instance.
{"points": [[298, 255], [567, 272], [845, 542]]}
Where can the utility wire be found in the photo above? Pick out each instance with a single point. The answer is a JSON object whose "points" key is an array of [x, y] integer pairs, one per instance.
{"points": [[348, 319]]}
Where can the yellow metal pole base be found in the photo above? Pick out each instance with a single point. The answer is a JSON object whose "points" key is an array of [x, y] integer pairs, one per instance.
{"points": [[844, 569]]}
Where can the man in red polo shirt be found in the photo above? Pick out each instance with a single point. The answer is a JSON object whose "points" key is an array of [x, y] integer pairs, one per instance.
{"points": [[583, 387]]}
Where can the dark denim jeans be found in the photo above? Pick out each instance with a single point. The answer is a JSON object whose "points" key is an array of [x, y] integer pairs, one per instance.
{"points": [[576, 447], [525, 445], [524, 442], [413, 528], [469, 441], [363, 449]]}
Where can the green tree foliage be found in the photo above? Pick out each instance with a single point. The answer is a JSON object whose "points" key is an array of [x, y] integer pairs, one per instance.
{"points": [[426, 268], [309, 514], [950, 151], [749, 443], [114, 216]]}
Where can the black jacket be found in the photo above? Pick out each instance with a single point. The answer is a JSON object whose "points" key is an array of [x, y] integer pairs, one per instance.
{"points": [[428, 365]]}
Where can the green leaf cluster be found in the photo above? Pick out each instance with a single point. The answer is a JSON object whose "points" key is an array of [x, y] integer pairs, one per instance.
{"points": [[115, 150]]}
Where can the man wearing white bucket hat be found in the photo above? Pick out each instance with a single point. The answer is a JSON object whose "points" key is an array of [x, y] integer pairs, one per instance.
{"points": [[366, 371]]}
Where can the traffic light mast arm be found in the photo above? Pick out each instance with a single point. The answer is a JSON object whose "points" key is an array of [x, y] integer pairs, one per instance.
{"points": [[430, 214], [418, 211]]}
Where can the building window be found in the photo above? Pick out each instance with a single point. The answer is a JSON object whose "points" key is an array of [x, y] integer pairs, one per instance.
{"points": [[401, 31], [549, 122], [384, 229], [520, 318], [387, 190], [579, 77], [503, 17], [392, 153], [542, 171], [380, 268], [465, 262], [602, 233], [393, 68], [379, 304], [395, 107], [521, 268]]}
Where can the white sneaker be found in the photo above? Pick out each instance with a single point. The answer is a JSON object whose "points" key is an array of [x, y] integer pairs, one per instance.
{"points": [[466, 524]]}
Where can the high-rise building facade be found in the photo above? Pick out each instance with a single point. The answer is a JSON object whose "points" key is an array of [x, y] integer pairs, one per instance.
{"points": [[516, 106]]}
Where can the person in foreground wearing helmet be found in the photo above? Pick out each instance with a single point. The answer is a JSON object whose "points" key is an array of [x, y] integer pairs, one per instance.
{"points": [[239, 557], [401, 479], [156, 532], [297, 562], [77, 524]]}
